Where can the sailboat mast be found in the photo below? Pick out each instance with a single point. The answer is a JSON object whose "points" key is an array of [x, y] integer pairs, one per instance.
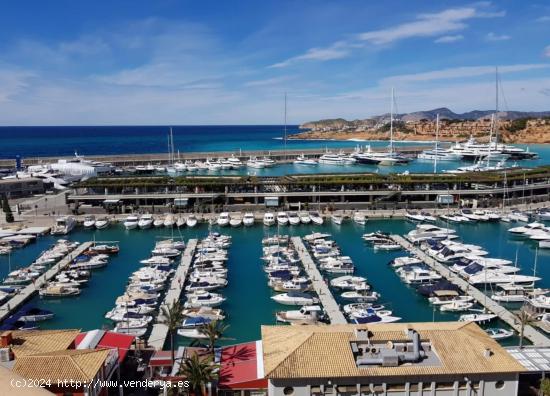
{"points": [[285, 128], [391, 121], [436, 142], [496, 105]]}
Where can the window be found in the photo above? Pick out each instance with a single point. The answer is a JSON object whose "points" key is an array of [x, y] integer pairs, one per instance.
{"points": [[444, 385], [288, 390], [499, 384]]}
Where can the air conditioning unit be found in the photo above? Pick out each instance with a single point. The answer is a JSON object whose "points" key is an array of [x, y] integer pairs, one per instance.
{"points": [[5, 355]]}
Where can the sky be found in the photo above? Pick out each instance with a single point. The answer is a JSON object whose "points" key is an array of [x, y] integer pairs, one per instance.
{"points": [[66, 62]]}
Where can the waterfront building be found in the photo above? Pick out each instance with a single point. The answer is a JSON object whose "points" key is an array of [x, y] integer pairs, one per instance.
{"points": [[451, 359], [19, 188]]}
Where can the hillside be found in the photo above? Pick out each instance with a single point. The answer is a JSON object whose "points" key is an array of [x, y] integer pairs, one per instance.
{"points": [[514, 126]]}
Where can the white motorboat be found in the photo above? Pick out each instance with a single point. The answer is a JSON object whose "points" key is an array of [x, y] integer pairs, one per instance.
{"points": [[169, 220], [360, 296], [193, 328], [102, 223], [404, 260], [387, 246], [255, 163], [269, 219], [248, 219], [348, 282], [494, 276], [89, 222], [418, 275], [136, 332], [332, 159], [316, 218], [133, 323], [308, 314], [456, 306], [165, 252], [544, 244], [235, 162], [477, 317], [191, 221], [499, 334], [204, 312], [158, 223], [223, 219], [295, 298], [511, 293], [302, 160], [145, 221], [282, 218], [63, 225], [293, 218], [369, 316], [337, 218], [526, 229], [180, 221], [359, 218], [304, 217], [235, 221], [201, 298], [56, 291], [442, 297]]}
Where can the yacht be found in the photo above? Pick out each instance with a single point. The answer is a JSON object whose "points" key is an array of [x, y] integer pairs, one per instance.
{"points": [[235, 162], [248, 219], [201, 298], [268, 162], [293, 218], [145, 221], [477, 317], [494, 277], [193, 327], [499, 334], [348, 282], [180, 221], [89, 222], [191, 221], [269, 219], [205, 312], [255, 163], [370, 316], [223, 219], [332, 159], [361, 296], [236, 221], [169, 220], [191, 167], [359, 218], [282, 218], [295, 298], [63, 225], [302, 160], [59, 291], [418, 275], [157, 223], [304, 217], [337, 218], [316, 218], [511, 293], [456, 306], [121, 328], [102, 223], [308, 314], [442, 297]]}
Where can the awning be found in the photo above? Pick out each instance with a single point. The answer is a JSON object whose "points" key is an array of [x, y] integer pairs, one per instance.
{"points": [[122, 342], [241, 368], [111, 201]]}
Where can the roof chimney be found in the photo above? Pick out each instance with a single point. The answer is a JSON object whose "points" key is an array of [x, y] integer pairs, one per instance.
{"points": [[488, 352], [6, 339]]}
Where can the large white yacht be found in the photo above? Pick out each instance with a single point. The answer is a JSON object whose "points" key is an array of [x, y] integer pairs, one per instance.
{"points": [[63, 225]]}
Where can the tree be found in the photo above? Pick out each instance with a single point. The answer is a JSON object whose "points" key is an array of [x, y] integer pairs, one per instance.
{"points": [[172, 318], [525, 319], [214, 332], [199, 372], [545, 386], [7, 209]]}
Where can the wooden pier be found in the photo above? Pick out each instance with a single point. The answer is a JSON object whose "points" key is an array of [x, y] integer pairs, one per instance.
{"points": [[160, 330], [321, 288], [28, 291], [537, 338]]}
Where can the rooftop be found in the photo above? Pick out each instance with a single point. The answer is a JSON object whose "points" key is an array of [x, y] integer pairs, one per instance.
{"points": [[31, 342], [73, 364], [326, 351]]}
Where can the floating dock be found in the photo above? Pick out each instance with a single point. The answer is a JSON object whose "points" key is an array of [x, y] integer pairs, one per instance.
{"points": [[28, 291], [537, 338], [321, 288], [160, 330]]}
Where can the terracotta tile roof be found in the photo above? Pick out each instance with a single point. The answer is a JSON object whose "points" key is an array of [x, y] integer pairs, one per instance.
{"points": [[31, 342], [8, 387], [324, 351], [75, 364]]}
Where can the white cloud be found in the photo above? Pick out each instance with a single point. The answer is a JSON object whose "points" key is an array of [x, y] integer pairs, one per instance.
{"points": [[545, 18], [547, 51], [462, 72], [449, 39], [273, 81], [13, 82], [425, 25], [496, 37]]}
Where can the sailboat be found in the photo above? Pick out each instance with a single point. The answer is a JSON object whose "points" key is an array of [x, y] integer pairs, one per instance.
{"points": [[389, 157], [438, 154], [171, 166]]}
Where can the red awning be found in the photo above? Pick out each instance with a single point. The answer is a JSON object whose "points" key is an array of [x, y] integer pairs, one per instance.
{"points": [[239, 368], [122, 342], [161, 359]]}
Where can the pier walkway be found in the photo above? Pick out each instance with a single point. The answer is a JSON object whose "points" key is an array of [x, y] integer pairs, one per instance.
{"points": [[537, 338], [160, 330], [28, 291], [321, 288]]}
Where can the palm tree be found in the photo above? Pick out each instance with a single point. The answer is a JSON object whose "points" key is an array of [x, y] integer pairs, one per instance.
{"points": [[199, 372], [172, 318], [214, 331], [525, 319]]}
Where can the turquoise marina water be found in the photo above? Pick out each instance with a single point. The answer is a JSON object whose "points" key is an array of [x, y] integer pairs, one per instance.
{"points": [[248, 302]]}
